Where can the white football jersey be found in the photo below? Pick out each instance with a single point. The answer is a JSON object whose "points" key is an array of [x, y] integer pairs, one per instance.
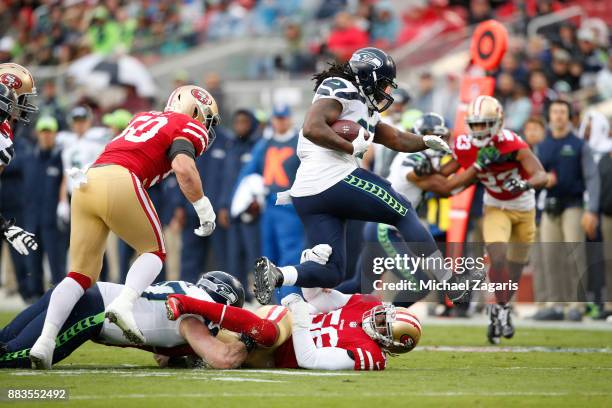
{"points": [[402, 165], [150, 314], [321, 168]]}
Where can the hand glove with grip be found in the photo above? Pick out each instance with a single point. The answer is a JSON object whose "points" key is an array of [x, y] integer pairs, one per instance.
{"points": [[360, 144], [7, 151], [207, 217], [436, 143], [515, 185], [486, 156], [319, 254], [22, 241], [300, 312]]}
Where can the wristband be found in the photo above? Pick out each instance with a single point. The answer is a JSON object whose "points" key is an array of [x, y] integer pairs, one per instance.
{"points": [[204, 209]]}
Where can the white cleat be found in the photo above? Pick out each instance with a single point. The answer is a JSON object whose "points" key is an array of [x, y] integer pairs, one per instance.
{"points": [[120, 313], [41, 353]]}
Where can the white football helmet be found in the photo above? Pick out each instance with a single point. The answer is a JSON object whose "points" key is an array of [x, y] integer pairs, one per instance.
{"points": [[485, 118], [394, 328], [198, 104]]}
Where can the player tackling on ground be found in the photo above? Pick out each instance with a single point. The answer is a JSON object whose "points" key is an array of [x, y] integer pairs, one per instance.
{"points": [[333, 331], [111, 197], [329, 186]]}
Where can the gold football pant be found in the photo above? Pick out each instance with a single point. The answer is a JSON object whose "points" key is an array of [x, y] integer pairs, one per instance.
{"points": [[112, 199], [510, 226]]}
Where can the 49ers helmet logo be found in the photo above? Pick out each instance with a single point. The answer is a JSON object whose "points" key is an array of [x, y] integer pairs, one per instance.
{"points": [[201, 96], [10, 80]]}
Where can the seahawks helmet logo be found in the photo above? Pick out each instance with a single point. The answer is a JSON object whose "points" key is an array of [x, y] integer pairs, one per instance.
{"points": [[368, 58], [220, 288]]}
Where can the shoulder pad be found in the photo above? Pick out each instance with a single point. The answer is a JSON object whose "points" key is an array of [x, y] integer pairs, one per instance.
{"points": [[339, 88]]}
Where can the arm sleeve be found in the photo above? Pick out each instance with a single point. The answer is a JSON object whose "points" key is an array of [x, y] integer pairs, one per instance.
{"points": [[591, 179], [326, 358], [325, 301]]}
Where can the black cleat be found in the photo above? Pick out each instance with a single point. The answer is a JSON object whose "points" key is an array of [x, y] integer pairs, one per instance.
{"points": [[494, 331], [505, 321], [267, 278], [467, 279]]}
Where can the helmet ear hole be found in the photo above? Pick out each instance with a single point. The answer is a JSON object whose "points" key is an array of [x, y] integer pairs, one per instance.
{"points": [[195, 113]]}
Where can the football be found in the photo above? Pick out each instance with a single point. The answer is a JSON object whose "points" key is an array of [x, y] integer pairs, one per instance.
{"points": [[347, 129]]}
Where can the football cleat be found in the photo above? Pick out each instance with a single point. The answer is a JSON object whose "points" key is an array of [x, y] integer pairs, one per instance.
{"points": [[174, 308], [505, 320], [120, 314], [494, 331], [267, 278], [41, 353], [470, 279]]}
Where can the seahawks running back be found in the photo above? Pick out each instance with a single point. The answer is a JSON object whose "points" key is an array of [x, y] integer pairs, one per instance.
{"points": [[329, 186]]}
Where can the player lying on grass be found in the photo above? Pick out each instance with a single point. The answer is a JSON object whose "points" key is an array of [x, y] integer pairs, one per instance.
{"points": [[86, 322], [333, 331]]}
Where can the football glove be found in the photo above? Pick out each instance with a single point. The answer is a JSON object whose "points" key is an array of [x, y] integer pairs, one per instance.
{"points": [[319, 254], [207, 217], [360, 144], [7, 151], [300, 312], [436, 143], [486, 156], [515, 185], [22, 241]]}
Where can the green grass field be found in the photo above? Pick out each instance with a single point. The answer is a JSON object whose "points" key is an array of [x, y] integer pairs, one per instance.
{"points": [[573, 368]]}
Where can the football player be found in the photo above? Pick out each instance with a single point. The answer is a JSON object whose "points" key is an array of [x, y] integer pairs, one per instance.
{"points": [[111, 196], [16, 86], [87, 322], [502, 161], [333, 331], [330, 187], [405, 177]]}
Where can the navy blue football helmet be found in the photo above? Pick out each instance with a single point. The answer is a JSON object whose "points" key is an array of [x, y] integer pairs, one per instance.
{"points": [[374, 72], [430, 124], [222, 287]]}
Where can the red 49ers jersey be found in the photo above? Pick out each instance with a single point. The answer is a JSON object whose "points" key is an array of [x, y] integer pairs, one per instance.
{"points": [[143, 146], [341, 328], [5, 130], [508, 143]]}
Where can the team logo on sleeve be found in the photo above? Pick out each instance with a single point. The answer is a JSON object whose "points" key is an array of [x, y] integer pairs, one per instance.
{"points": [[10, 80], [202, 97], [368, 58]]}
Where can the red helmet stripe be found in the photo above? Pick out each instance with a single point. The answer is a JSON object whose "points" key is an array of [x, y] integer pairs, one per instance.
{"points": [[406, 318]]}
